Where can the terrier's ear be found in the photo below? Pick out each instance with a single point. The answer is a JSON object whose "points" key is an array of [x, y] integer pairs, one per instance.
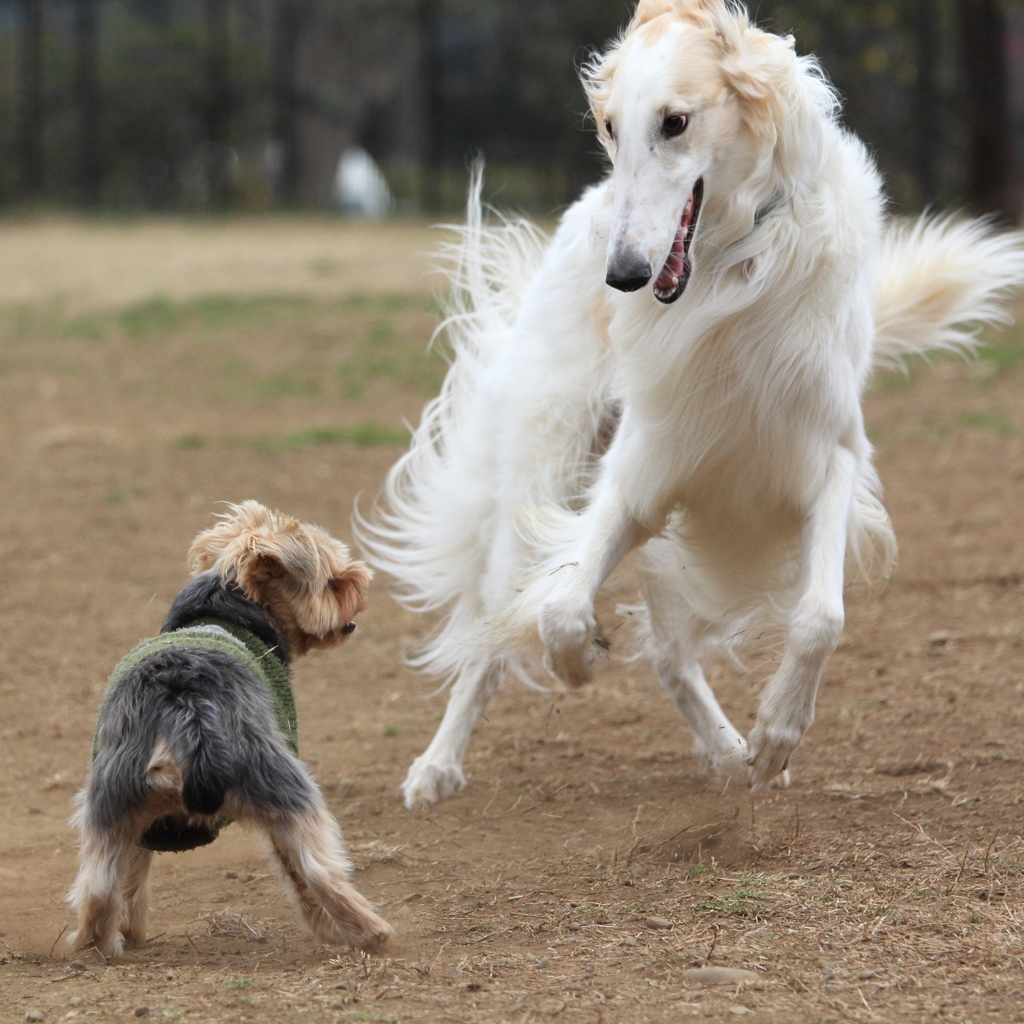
{"points": [[349, 589], [227, 541], [256, 571], [206, 549]]}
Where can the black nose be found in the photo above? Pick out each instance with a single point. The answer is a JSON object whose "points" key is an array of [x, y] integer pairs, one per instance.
{"points": [[350, 628], [628, 271]]}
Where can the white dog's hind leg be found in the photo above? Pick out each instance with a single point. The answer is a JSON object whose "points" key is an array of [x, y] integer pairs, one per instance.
{"points": [[787, 704], [675, 636], [716, 742], [437, 773]]}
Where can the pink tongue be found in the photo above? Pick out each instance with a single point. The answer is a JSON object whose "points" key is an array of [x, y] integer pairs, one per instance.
{"points": [[674, 264]]}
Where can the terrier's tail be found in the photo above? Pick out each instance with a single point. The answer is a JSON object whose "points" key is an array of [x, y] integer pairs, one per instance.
{"points": [[212, 720]]}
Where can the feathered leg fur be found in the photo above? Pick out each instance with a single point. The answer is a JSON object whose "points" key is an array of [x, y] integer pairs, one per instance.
{"points": [[310, 853], [98, 894], [134, 869]]}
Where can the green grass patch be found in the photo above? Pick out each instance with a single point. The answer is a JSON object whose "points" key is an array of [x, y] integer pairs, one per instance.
{"points": [[1005, 353], [235, 376], [995, 422], [383, 352], [700, 871], [88, 328], [243, 348], [743, 901], [161, 315], [125, 494], [893, 380], [288, 384], [366, 435]]}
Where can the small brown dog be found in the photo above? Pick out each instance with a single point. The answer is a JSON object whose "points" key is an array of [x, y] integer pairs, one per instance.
{"points": [[198, 729]]}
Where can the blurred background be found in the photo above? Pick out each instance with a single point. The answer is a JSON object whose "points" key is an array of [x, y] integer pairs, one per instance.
{"points": [[248, 105]]}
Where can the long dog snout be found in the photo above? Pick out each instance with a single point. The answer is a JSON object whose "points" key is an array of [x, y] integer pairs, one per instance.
{"points": [[628, 270]]}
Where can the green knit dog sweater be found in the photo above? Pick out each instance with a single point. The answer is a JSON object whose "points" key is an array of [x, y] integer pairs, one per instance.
{"points": [[176, 833]]}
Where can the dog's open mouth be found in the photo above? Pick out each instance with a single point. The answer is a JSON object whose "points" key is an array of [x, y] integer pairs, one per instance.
{"points": [[671, 282]]}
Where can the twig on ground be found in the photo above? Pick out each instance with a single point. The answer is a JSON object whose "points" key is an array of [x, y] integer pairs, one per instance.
{"points": [[714, 942], [56, 940]]}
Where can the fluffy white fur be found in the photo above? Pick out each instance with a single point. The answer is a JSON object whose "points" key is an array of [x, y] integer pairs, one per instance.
{"points": [[721, 434]]}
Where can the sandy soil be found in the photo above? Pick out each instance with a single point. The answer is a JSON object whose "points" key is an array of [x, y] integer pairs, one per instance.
{"points": [[586, 868]]}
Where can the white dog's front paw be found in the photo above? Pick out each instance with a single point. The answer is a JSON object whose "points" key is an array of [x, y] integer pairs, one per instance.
{"points": [[770, 747], [727, 761], [573, 643], [427, 783]]}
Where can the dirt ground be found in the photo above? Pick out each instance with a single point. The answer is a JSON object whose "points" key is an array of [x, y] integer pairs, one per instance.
{"points": [[586, 869]]}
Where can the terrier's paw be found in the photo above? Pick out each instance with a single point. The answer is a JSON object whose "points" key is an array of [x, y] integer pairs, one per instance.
{"points": [[427, 783], [573, 642], [110, 947], [341, 914], [373, 931]]}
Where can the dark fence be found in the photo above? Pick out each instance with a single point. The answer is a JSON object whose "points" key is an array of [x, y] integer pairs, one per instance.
{"points": [[247, 104]]}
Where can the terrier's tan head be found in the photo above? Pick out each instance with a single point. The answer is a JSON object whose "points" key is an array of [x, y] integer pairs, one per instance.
{"points": [[300, 574]]}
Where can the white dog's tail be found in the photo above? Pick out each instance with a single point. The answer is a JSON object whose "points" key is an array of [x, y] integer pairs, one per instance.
{"points": [[940, 280], [425, 529]]}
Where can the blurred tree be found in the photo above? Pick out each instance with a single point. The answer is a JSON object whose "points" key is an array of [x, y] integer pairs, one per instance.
{"points": [[217, 102], [87, 101], [207, 103], [929, 110], [289, 20], [31, 113], [983, 53], [429, 78]]}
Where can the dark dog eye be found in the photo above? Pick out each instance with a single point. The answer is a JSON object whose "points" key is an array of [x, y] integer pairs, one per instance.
{"points": [[608, 129], [674, 125]]}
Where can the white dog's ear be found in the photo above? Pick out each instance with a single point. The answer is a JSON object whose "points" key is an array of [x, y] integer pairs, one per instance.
{"points": [[648, 10], [752, 60]]}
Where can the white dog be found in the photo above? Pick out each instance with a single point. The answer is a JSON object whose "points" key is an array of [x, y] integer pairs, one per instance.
{"points": [[705, 408]]}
